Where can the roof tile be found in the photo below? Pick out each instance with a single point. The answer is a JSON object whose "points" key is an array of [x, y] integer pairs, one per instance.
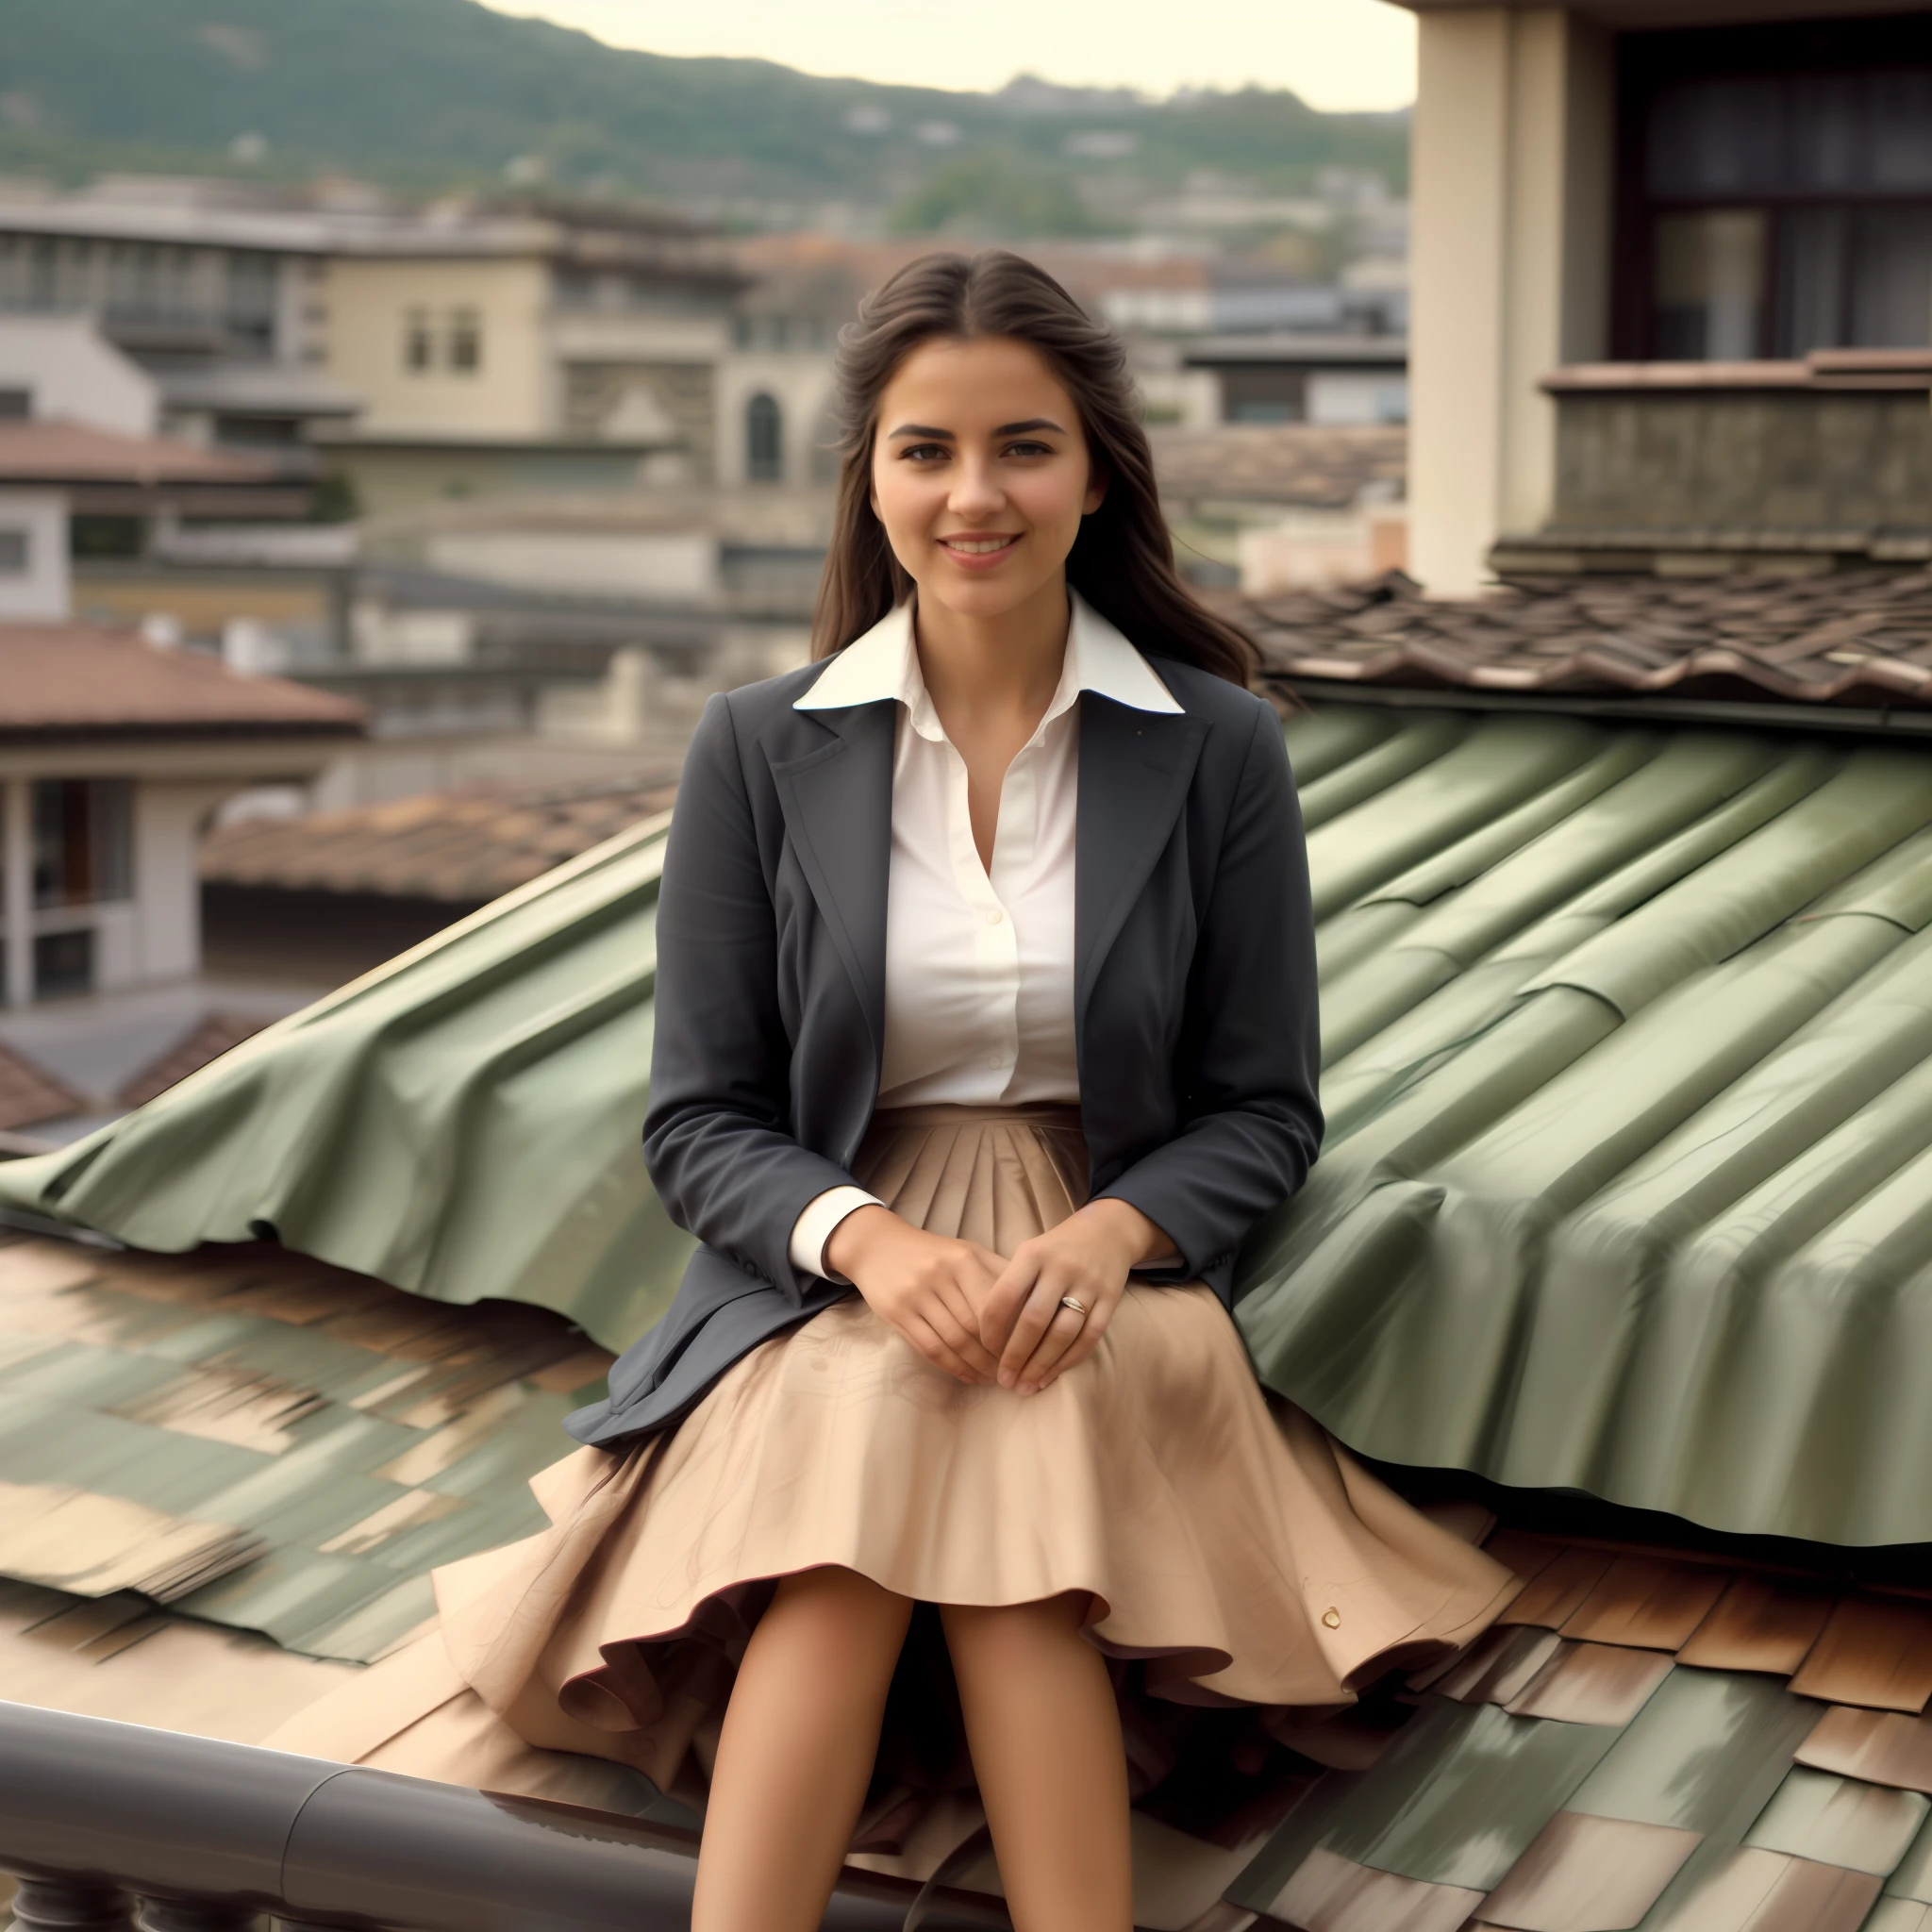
{"points": [[75, 677], [1840, 1821], [1334, 1895], [462, 848], [1770, 1892], [1647, 1603], [29, 1095], [1592, 1684], [1588, 1875], [1874, 1651], [1560, 1589], [1848, 638], [1884, 1747]]}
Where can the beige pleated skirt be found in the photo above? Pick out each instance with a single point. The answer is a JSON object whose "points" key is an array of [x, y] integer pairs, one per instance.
{"points": [[1234, 1559]]}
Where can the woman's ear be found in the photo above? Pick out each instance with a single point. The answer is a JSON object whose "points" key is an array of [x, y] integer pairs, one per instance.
{"points": [[1097, 490]]}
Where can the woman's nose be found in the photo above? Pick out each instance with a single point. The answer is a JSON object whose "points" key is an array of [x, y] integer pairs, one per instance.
{"points": [[975, 489]]}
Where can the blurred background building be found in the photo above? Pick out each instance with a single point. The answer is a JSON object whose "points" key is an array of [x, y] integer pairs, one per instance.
{"points": [[499, 456]]}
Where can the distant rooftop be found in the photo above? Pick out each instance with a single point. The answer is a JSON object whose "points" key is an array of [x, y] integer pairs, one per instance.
{"points": [[1279, 462], [461, 847], [56, 450], [191, 213], [72, 679]]}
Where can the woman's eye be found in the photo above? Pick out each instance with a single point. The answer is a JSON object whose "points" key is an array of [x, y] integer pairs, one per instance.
{"points": [[924, 452], [1028, 449]]}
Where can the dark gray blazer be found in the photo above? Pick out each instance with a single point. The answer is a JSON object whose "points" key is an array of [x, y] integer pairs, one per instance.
{"points": [[1195, 997]]}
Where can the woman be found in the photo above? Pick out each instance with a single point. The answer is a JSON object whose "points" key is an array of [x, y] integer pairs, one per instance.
{"points": [[986, 1029]]}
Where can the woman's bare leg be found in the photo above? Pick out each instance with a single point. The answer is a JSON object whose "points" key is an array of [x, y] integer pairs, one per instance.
{"points": [[1045, 1735], [800, 1734]]}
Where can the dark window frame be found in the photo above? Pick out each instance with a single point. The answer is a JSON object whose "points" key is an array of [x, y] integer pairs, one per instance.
{"points": [[1649, 62]]}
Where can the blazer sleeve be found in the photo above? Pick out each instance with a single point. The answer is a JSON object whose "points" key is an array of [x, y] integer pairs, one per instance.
{"points": [[717, 1140], [1249, 1063]]}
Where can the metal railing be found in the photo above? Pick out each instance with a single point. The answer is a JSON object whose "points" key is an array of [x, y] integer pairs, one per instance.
{"points": [[109, 1825]]}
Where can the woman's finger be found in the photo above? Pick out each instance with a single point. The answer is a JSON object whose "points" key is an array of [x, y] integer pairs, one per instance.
{"points": [[961, 1334], [1092, 1330], [959, 1329], [1006, 1303], [933, 1346], [1033, 1320], [1062, 1332]]}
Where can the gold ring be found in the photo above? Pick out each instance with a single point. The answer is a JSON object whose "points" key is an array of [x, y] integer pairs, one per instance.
{"points": [[1067, 1301]]}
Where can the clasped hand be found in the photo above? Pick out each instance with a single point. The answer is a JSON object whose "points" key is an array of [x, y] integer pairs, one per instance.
{"points": [[982, 1319]]}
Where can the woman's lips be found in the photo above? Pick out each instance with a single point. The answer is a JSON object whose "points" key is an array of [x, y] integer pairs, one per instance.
{"points": [[979, 553]]}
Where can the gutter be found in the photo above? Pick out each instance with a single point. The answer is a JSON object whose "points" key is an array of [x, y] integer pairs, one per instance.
{"points": [[1900, 721]]}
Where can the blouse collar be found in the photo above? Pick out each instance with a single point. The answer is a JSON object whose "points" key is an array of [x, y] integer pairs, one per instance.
{"points": [[884, 663]]}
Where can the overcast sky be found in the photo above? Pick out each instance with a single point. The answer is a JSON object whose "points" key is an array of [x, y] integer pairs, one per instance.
{"points": [[1333, 53]]}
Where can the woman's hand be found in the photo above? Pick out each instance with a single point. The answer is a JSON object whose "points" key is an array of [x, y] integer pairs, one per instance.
{"points": [[1087, 1256], [927, 1288]]}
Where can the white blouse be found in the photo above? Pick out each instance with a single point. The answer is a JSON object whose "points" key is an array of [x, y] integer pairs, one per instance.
{"points": [[980, 963]]}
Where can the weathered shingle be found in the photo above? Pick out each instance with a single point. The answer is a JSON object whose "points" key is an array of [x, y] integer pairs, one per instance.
{"points": [[1859, 638]]}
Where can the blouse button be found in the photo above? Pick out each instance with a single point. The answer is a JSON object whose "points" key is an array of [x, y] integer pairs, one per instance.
{"points": [[994, 917]]}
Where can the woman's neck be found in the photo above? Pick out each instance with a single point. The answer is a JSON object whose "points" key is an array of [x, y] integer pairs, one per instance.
{"points": [[980, 671]]}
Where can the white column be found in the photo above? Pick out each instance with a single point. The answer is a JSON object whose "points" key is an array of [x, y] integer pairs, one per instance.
{"points": [[18, 869], [1511, 164]]}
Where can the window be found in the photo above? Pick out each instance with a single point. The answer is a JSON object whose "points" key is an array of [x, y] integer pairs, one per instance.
{"points": [[251, 299], [419, 345], [16, 404], [83, 841], [16, 552], [764, 441], [465, 340], [64, 961], [1778, 191]]}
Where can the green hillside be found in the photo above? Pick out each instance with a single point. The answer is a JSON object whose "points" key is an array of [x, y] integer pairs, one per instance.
{"points": [[431, 93]]}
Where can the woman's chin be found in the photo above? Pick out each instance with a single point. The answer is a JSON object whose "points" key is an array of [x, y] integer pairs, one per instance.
{"points": [[979, 594]]}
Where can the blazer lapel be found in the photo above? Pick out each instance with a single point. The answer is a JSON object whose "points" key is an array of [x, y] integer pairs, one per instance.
{"points": [[1134, 770], [838, 806]]}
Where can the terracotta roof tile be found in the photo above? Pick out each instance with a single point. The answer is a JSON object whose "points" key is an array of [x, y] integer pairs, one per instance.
{"points": [[1874, 1651], [1883, 1747], [29, 1095], [1861, 638], [462, 846], [1648, 1603], [1592, 1684], [1760, 1624], [207, 1040], [54, 449], [72, 677], [1589, 1871]]}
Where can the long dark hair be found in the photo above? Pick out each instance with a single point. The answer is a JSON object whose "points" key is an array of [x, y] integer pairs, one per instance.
{"points": [[1123, 561]]}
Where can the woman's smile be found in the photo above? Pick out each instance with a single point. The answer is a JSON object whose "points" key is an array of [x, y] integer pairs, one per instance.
{"points": [[978, 552]]}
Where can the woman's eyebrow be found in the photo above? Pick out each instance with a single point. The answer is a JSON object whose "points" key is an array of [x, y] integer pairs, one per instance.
{"points": [[927, 434]]}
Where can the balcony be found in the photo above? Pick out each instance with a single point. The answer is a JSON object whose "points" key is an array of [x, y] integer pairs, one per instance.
{"points": [[1689, 468]]}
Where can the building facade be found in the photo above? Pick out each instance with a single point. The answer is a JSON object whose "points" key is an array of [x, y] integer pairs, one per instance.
{"points": [[1673, 283]]}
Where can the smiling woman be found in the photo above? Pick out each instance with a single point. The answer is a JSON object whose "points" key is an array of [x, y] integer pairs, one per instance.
{"points": [[985, 1031]]}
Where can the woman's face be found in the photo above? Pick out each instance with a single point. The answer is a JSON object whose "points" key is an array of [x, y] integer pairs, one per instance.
{"points": [[980, 473]]}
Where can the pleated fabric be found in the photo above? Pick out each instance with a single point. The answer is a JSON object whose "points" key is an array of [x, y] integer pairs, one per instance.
{"points": [[1232, 1555]]}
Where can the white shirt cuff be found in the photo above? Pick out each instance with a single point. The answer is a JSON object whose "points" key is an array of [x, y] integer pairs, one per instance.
{"points": [[813, 1229]]}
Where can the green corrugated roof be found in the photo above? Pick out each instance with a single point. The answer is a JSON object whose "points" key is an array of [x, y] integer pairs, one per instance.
{"points": [[1629, 1076]]}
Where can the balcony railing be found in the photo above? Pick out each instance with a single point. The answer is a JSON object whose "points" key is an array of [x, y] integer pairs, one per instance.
{"points": [[110, 1825]]}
